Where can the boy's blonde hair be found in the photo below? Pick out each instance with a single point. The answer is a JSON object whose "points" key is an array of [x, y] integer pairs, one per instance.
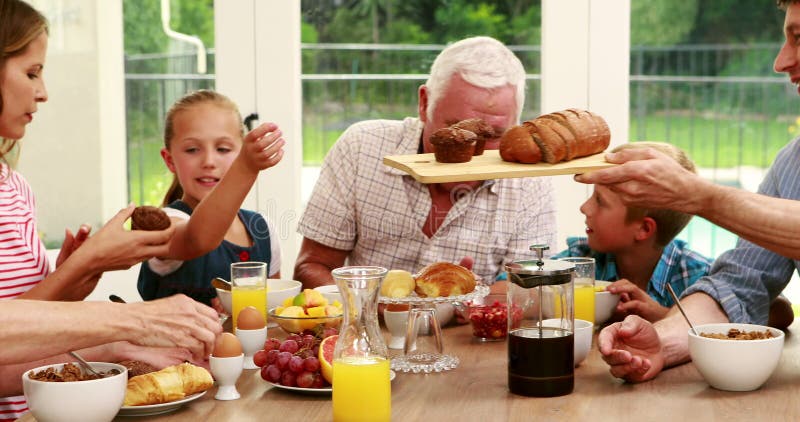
{"points": [[193, 99], [668, 222]]}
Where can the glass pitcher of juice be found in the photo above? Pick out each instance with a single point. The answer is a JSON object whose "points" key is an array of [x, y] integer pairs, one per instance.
{"points": [[540, 335], [361, 385]]}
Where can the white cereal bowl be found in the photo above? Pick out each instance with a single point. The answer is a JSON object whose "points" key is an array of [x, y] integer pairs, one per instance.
{"points": [[735, 365], [279, 290], [604, 303], [86, 401]]}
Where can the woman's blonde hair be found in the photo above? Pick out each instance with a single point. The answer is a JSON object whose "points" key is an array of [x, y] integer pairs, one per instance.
{"points": [[668, 222], [193, 99], [20, 24]]}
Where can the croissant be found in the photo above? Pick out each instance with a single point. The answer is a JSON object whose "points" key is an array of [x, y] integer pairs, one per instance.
{"points": [[444, 279], [555, 137], [169, 384]]}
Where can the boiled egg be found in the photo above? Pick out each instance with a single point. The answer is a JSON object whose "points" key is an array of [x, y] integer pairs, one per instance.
{"points": [[227, 346], [250, 318]]}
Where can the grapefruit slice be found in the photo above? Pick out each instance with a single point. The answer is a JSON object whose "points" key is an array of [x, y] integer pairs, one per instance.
{"points": [[326, 357]]}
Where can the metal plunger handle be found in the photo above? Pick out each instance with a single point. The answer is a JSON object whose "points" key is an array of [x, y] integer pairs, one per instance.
{"points": [[539, 249]]}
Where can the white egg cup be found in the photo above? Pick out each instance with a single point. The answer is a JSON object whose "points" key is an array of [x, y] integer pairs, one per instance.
{"points": [[396, 322], [226, 372], [252, 341]]}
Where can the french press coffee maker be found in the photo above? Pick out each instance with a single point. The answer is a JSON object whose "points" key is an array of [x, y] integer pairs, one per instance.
{"points": [[540, 336]]}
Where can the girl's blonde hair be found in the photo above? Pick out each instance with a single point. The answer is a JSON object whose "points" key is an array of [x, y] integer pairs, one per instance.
{"points": [[203, 96], [20, 24]]}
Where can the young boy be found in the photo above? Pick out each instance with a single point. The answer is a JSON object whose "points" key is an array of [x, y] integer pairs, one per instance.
{"points": [[637, 248]]}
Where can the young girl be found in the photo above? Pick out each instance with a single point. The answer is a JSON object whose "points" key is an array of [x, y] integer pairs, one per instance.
{"points": [[202, 143]]}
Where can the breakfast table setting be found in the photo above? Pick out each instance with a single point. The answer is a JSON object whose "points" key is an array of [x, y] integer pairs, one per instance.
{"points": [[478, 390]]}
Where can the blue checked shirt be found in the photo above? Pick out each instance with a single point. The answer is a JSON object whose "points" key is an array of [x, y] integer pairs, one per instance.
{"points": [[679, 266], [746, 279]]}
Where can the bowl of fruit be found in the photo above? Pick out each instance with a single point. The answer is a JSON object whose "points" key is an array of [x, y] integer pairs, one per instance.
{"points": [[307, 313], [489, 317]]}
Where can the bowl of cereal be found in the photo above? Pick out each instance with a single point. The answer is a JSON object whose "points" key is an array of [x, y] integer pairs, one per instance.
{"points": [[735, 357], [62, 392]]}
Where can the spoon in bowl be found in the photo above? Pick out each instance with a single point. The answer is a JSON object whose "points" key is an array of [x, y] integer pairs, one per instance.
{"points": [[85, 364], [680, 308], [221, 283]]}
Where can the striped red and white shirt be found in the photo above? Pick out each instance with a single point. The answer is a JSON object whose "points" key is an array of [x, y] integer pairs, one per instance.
{"points": [[23, 258]]}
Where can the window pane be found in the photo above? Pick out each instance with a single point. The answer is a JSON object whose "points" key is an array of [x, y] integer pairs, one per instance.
{"points": [[365, 59], [158, 71], [702, 79]]}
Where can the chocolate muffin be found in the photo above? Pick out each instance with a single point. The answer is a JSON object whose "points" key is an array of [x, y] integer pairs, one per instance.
{"points": [[136, 367], [453, 145], [480, 128], [149, 218]]}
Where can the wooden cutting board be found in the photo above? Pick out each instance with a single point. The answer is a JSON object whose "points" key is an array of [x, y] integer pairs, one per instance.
{"points": [[425, 169]]}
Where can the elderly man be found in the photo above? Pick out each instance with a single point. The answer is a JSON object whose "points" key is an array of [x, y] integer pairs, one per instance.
{"points": [[364, 213], [744, 280]]}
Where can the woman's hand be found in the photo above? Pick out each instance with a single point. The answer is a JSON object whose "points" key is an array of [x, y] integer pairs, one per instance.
{"points": [[635, 301], [72, 242], [115, 248]]}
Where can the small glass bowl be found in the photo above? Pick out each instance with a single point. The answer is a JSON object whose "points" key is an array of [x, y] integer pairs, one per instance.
{"points": [[297, 325], [488, 317]]}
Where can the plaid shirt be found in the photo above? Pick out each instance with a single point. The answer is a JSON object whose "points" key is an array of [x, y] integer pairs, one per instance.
{"points": [[679, 266], [377, 212]]}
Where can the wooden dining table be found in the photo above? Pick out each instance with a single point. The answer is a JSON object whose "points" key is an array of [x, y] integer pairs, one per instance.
{"points": [[477, 390]]}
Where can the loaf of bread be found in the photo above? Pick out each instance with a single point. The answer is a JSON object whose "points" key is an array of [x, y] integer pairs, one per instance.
{"points": [[444, 279], [555, 137], [149, 218], [169, 384]]}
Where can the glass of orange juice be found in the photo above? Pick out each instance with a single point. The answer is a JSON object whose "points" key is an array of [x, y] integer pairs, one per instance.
{"points": [[248, 287], [584, 287]]}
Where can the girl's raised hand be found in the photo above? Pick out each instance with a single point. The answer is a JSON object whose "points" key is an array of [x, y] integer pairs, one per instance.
{"points": [[263, 147]]}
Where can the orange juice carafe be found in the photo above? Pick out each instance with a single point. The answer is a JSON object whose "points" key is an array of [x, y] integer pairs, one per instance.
{"points": [[361, 385], [540, 326]]}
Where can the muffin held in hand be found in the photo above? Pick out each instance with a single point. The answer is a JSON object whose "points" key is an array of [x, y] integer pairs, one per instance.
{"points": [[149, 218], [453, 145]]}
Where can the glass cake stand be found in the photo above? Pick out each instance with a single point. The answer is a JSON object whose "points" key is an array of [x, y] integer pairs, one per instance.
{"points": [[436, 361]]}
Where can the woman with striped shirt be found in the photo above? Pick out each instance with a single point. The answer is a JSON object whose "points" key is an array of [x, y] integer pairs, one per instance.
{"points": [[183, 328]]}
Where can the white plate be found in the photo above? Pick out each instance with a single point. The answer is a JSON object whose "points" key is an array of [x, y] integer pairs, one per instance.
{"points": [[327, 390], [157, 409]]}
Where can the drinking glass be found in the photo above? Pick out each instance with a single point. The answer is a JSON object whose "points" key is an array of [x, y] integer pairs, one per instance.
{"points": [[584, 287], [248, 288], [423, 345]]}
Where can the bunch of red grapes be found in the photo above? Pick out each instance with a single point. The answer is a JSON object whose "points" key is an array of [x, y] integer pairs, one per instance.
{"points": [[293, 362]]}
